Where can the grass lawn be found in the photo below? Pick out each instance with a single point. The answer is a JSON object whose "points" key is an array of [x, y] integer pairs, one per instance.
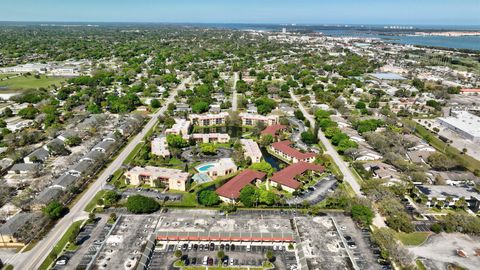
{"points": [[412, 239], [218, 268], [30, 82], [57, 249], [420, 265], [132, 154], [93, 203]]}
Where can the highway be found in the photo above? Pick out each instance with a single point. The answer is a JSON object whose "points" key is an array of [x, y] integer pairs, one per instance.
{"points": [[34, 258], [342, 165]]}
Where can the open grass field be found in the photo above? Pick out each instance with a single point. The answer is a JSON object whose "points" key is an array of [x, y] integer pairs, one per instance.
{"points": [[30, 82], [412, 239]]}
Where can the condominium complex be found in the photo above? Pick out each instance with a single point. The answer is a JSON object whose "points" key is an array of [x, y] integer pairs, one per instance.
{"points": [[252, 150], [209, 137], [284, 150], [160, 147], [249, 119], [210, 119], [181, 127], [155, 176]]}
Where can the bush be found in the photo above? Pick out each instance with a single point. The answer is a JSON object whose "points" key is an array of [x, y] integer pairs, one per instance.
{"points": [[436, 228], [208, 198], [55, 210], [139, 204], [362, 214]]}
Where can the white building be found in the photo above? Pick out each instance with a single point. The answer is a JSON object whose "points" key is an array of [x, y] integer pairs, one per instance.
{"points": [[155, 176], [252, 150], [249, 119], [209, 119], [181, 127], [464, 123], [209, 137], [160, 147]]}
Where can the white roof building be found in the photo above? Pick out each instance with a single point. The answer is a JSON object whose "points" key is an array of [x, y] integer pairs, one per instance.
{"points": [[252, 150], [160, 147], [180, 127], [464, 123]]}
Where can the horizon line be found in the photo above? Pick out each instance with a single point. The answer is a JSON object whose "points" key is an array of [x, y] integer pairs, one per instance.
{"points": [[244, 23]]}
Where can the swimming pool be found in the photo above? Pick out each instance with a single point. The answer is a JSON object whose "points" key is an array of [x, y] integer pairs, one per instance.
{"points": [[204, 168]]}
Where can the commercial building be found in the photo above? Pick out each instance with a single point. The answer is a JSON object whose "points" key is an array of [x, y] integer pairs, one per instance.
{"points": [[209, 119], [181, 127], [249, 119], [160, 147], [284, 150], [230, 191], [464, 123], [448, 196], [287, 178], [470, 91], [156, 177], [209, 137], [252, 150]]}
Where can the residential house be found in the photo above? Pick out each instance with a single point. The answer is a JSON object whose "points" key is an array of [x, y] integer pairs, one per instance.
{"points": [[159, 147], [181, 127]]}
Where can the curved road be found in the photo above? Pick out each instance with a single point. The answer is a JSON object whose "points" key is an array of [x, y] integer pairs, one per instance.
{"points": [[34, 258]]}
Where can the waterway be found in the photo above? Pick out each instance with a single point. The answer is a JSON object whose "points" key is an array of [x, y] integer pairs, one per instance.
{"points": [[276, 163]]}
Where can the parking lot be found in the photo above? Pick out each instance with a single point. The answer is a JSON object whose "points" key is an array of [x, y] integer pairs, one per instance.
{"points": [[203, 254], [152, 193], [316, 193]]}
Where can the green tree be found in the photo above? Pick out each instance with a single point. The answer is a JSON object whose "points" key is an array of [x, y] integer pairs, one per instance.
{"points": [[139, 204], [263, 166], [55, 210], [200, 107], [362, 214], [220, 254], [178, 253], [28, 113], [208, 198], [176, 141], [208, 148], [73, 141], [110, 197], [266, 140], [248, 196], [309, 137], [155, 103]]}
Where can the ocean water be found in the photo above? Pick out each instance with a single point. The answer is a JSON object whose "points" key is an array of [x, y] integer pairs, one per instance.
{"points": [[463, 42]]}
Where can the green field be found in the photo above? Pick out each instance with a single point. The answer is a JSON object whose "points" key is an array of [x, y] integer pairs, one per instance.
{"points": [[30, 82], [412, 239]]}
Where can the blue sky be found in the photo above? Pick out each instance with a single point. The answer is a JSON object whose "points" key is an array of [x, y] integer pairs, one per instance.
{"points": [[430, 12]]}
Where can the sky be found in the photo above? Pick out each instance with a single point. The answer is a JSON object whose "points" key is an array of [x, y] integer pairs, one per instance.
{"points": [[405, 12]]}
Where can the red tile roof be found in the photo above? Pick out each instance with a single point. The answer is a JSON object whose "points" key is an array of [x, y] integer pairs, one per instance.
{"points": [[273, 129], [470, 90], [287, 176], [284, 147], [232, 188]]}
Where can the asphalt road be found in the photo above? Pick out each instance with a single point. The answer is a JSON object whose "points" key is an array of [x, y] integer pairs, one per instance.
{"points": [[342, 165], [33, 258], [234, 94]]}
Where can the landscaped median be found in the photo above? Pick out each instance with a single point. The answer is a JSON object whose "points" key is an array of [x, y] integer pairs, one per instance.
{"points": [[61, 245]]}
